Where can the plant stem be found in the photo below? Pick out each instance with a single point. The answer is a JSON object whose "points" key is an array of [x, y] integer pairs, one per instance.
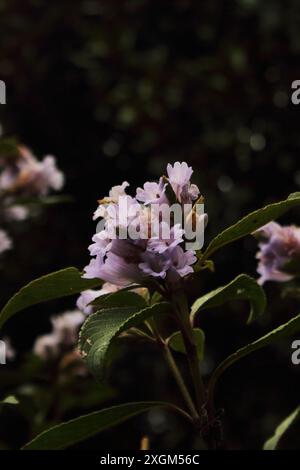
{"points": [[174, 369], [180, 382], [179, 302]]}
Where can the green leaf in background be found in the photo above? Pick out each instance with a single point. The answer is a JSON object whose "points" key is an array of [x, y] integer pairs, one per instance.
{"points": [[9, 147], [119, 299], [177, 344], [281, 430], [287, 329], [10, 400], [242, 287], [101, 328], [79, 429], [52, 286], [251, 222]]}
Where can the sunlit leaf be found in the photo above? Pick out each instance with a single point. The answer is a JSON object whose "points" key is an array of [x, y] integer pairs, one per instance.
{"points": [[243, 287], [52, 286], [281, 430], [251, 222], [102, 327], [10, 400]]}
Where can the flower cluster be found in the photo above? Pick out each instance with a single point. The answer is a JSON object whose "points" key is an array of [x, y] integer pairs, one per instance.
{"points": [[143, 246], [279, 254], [23, 176]]}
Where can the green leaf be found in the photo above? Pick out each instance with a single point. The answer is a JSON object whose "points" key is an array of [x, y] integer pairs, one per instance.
{"points": [[242, 287], [10, 400], [251, 222], [52, 286], [102, 327], [280, 431], [285, 330], [120, 299], [176, 342], [79, 429], [9, 147]]}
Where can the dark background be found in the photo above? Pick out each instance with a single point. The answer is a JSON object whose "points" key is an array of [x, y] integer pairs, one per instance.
{"points": [[116, 90]]}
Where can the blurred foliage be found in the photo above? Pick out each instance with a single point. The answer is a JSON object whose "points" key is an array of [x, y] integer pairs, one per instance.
{"points": [[118, 89]]}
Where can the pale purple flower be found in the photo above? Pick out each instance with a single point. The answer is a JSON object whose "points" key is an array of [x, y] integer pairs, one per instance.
{"points": [[152, 193], [114, 269], [189, 193], [161, 244], [92, 270], [279, 247], [179, 173], [132, 244], [117, 191], [5, 241], [181, 262], [154, 265], [101, 245], [119, 216], [179, 176], [114, 194]]}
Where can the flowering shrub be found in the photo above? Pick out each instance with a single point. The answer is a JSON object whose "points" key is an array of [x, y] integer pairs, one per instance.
{"points": [[137, 276]]}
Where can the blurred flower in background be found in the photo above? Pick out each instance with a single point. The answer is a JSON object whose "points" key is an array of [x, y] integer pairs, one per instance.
{"points": [[279, 255], [23, 180]]}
